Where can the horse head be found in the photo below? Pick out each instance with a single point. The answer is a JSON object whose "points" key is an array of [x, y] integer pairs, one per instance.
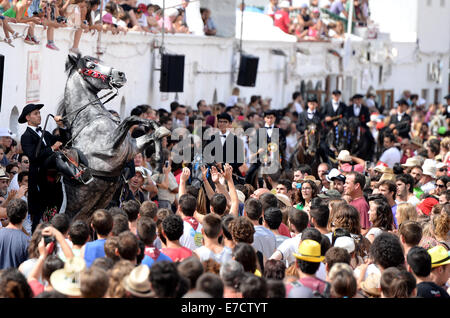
{"points": [[97, 75], [312, 139]]}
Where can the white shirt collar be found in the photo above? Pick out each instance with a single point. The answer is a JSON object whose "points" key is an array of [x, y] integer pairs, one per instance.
{"points": [[226, 133]]}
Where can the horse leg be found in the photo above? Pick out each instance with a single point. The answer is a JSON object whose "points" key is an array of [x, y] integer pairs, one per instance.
{"points": [[119, 134], [156, 137]]}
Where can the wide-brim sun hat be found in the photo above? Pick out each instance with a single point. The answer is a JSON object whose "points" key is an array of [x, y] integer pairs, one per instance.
{"points": [[284, 199], [411, 162], [309, 250], [137, 282], [67, 280], [344, 156]]}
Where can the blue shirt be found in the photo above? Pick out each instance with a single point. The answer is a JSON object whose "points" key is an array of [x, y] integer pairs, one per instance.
{"points": [[149, 261], [94, 250], [13, 248]]}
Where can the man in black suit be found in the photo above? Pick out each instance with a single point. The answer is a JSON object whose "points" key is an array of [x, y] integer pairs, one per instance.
{"points": [[310, 116], [333, 108], [313, 116], [43, 193], [268, 141], [359, 110], [232, 146], [401, 122]]}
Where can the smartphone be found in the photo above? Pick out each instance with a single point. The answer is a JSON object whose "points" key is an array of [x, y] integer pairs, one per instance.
{"points": [[299, 186], [166, 164], [48, 239]]}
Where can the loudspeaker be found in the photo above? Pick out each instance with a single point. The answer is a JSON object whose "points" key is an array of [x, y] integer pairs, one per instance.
{"points": [[2, 65], [248, 69], [172, 73]]}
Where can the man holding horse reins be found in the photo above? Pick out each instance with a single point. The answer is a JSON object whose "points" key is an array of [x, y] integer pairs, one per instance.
{"points": [[334, 109], [44, 192], [313, 117], [271, 144]]}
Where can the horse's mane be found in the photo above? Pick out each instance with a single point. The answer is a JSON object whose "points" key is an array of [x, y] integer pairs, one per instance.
{"points": [[70, 66]]}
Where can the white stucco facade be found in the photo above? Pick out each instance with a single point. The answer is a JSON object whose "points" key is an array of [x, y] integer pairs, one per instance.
{"points": [[212, 63]]}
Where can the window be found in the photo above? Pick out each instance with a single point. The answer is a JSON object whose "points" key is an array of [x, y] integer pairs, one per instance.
{"points": [[424, 94], [386, 98], [437, 96]]}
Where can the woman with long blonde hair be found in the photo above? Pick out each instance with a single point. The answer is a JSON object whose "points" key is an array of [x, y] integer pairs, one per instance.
{"points": [[405, 212]]}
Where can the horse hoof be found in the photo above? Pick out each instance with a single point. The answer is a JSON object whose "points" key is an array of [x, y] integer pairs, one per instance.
{"points": [[162, 132]]}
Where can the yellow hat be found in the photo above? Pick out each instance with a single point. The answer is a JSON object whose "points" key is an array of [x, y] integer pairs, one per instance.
{"points": [[439, 256], [309, 250]]}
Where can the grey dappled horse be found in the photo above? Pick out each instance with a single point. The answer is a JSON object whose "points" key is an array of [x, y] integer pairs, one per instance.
{"points": [[105, 141]]}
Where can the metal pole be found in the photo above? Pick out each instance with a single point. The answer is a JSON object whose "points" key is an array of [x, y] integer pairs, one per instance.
{"points": [[242, 26], [161, 49], [350, 18], [99, 39]]}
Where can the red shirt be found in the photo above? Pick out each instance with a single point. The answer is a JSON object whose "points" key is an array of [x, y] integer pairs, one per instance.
{"points": [[281, 20], [363, 209], [177, 254], [284, 230]]}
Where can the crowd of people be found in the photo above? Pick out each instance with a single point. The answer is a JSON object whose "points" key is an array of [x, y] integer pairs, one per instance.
{"points": [[303, 18], [83, 16], [341, 228]]}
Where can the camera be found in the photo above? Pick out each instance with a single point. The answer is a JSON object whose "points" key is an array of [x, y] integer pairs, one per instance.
{"points": [[61, 19]]}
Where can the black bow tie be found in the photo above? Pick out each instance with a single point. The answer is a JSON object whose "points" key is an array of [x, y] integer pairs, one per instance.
{"points": [[38, 129], [224, 136], [269, 127]]}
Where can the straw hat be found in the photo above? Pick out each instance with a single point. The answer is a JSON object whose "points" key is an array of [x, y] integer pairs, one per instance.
{"points": [[371, 285], [142, 171], [417, 141], [67, 280], [312, 178], [284, 198], [3, 175], [137, 282], [387, 176], [439, 256], [344, 156], [411, 162], [309, 250]]}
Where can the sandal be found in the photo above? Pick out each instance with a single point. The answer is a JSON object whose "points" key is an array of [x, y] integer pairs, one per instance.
{"points": [[17, 35], [8, 41]]}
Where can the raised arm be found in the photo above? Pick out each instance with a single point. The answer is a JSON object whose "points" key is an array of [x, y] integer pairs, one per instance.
{"points": [[209, 190], [234, 209], [184, 178]]}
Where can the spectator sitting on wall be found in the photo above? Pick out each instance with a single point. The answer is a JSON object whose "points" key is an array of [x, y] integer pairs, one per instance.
{"points": [[281, 17], [210, 27]]}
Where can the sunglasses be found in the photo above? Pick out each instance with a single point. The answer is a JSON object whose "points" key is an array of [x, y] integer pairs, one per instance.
{"points": [[440, 185], [26, 161], [443, 169]]}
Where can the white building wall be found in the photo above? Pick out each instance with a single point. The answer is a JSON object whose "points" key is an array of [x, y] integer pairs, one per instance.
{"points": [[396, 17], [211, 65]]}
